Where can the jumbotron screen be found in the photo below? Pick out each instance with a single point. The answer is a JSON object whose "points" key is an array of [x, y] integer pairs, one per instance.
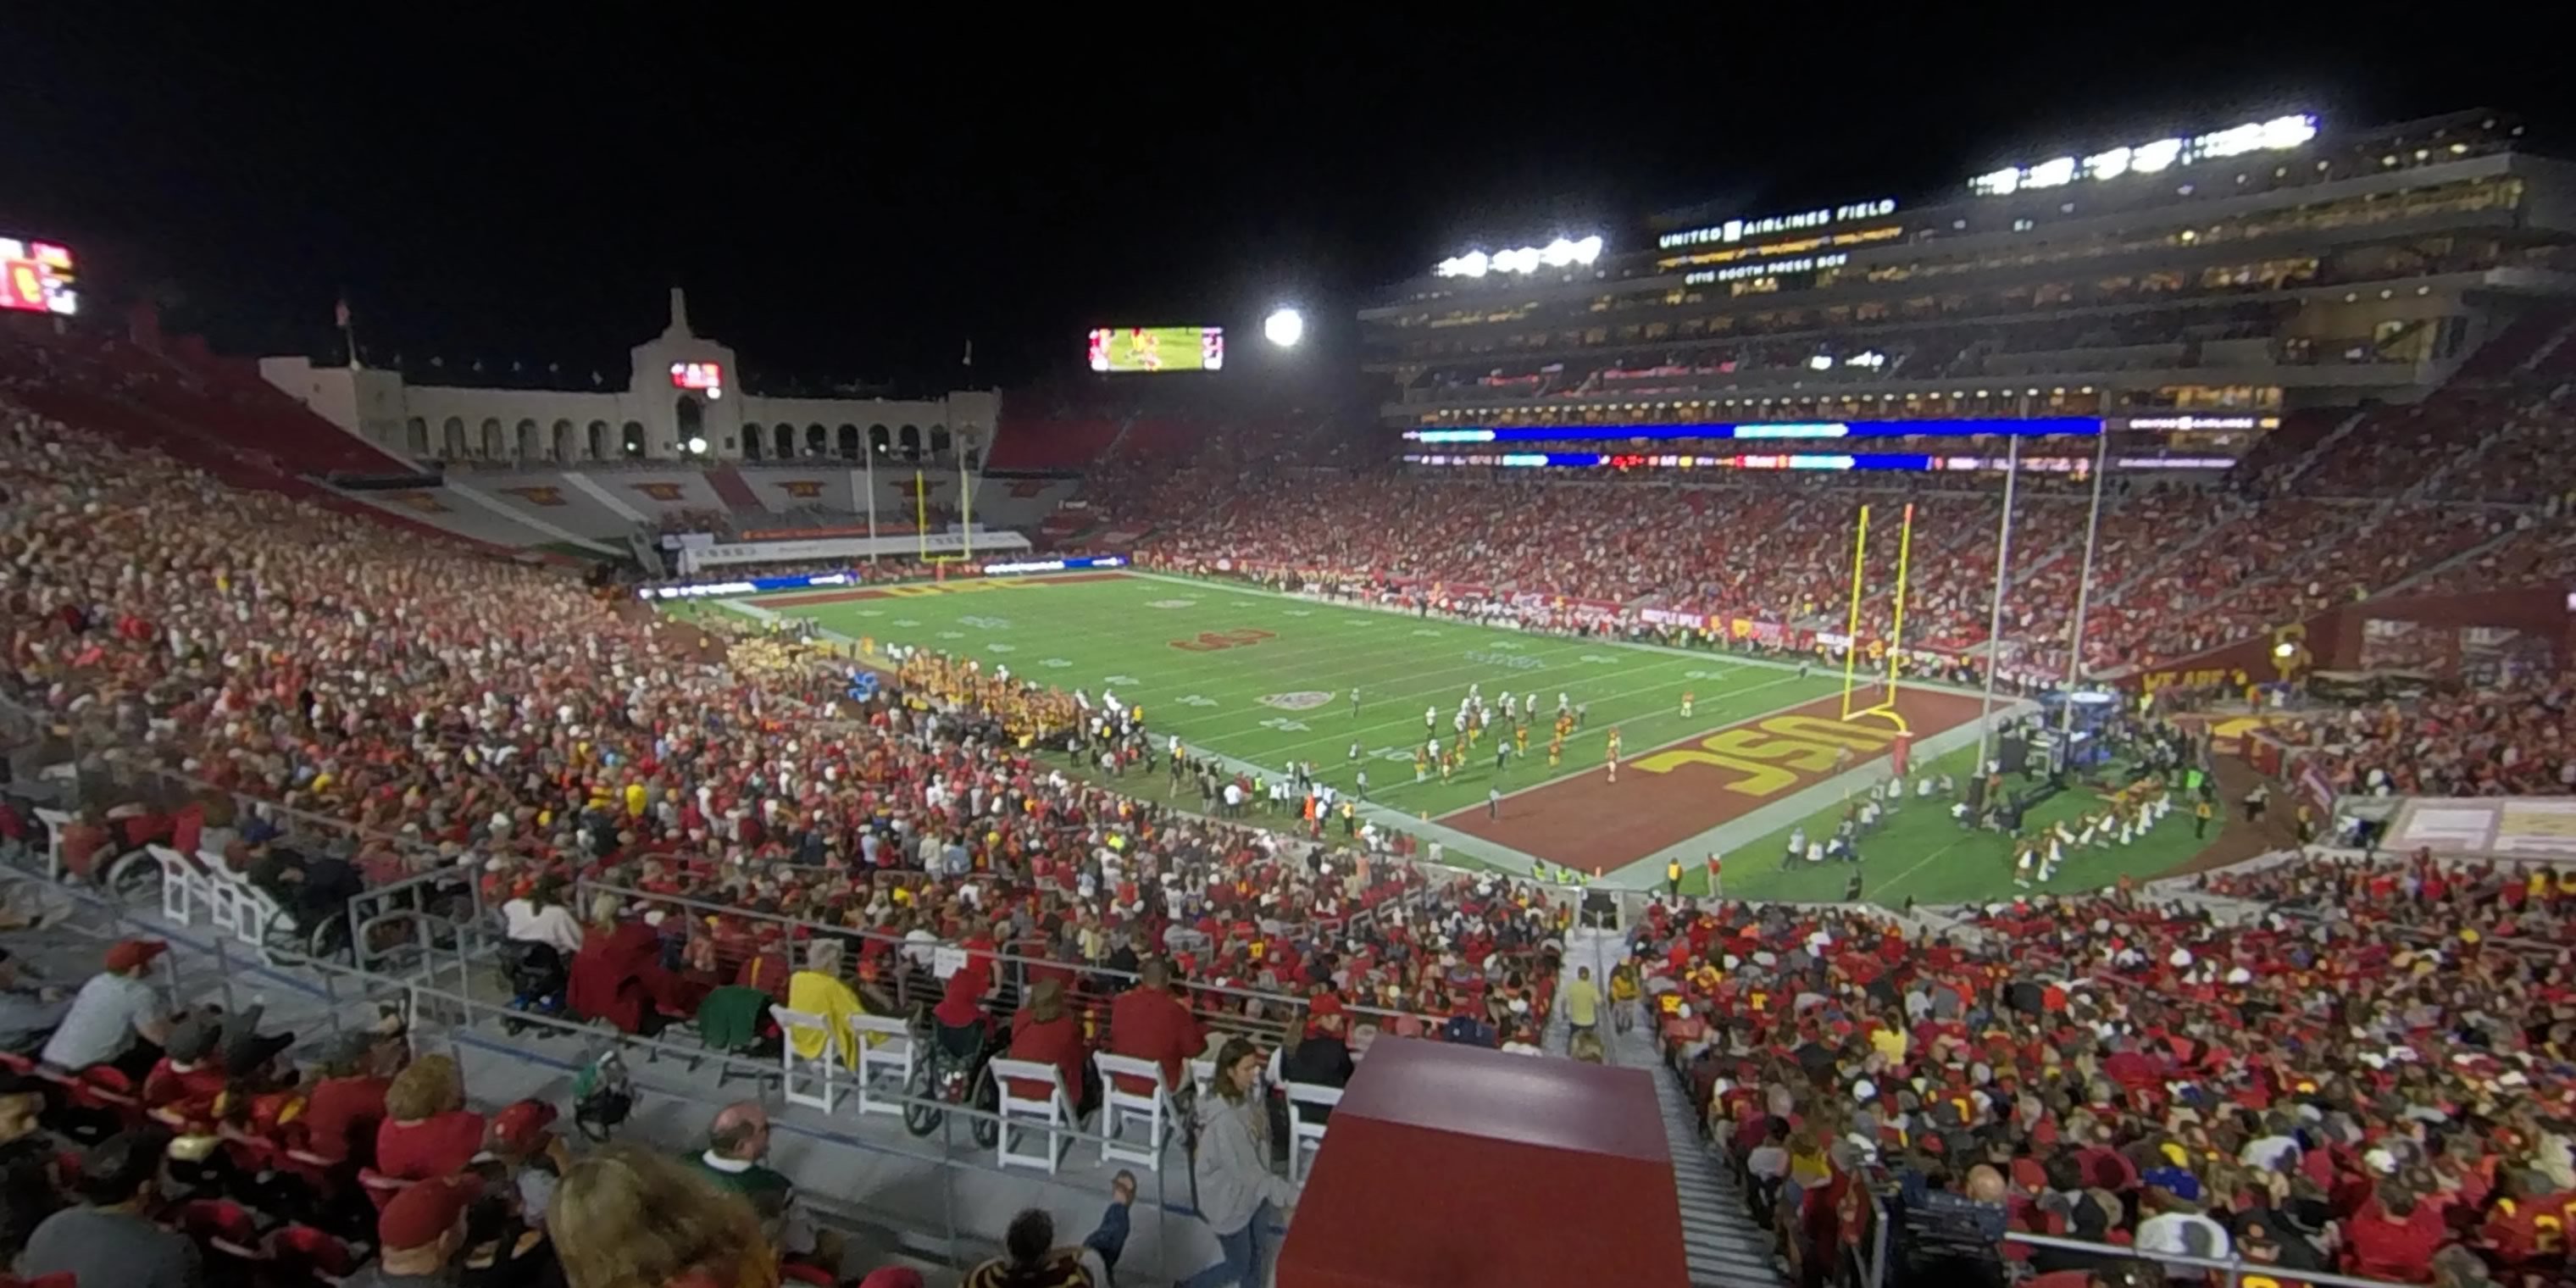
{"points": [[1158, 348], [36, 277]]}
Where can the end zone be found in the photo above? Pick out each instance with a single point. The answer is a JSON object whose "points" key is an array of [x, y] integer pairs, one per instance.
{"points": [[1682, 790]]}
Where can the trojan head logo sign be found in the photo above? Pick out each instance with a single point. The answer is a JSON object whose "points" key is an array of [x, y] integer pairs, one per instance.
{"points": [[667, 493], [537, 495], [2289, 652], [802, 489]]}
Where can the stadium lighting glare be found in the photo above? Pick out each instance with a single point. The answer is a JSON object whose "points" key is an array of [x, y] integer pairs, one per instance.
{"points": [[697, 447], [2279, 134], [1284, 327], [1561, 253]]}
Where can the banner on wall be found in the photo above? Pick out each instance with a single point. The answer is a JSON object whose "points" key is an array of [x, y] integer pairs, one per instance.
{"points": [[937, 543], [2530, 829]]}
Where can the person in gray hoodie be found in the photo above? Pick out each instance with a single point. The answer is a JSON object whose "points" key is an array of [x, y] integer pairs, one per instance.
{"points": [[1236, 1188]]}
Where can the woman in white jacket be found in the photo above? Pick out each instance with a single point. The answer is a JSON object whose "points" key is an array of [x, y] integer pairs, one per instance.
{"points": [[1237, 1190]]}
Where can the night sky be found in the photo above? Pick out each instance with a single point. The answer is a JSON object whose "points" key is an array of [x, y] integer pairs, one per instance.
{"points": [[858, 200]]}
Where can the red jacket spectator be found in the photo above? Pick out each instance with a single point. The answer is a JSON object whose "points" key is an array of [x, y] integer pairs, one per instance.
{"points": [[1045, 1032], [1148, 1023], [2393, 1236]]}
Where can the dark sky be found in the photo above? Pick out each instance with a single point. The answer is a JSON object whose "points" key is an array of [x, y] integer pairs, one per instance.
{"points": [[848, 198]]}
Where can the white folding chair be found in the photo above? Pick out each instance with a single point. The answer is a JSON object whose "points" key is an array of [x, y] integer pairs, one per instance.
{"points": [[254, 911], [1203, 1078], [1049, 1116], [1305, 1134], [55, 821], [1160, 1112], [885, 1047], [821, 1089], [223, 891], [183, 885]]}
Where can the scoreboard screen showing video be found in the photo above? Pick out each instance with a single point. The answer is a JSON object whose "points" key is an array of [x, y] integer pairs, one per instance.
{"points": [[36, 277], [1158, 348]]}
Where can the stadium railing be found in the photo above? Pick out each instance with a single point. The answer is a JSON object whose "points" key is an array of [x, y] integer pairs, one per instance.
{"points": [[71, 768], [440, 1016]]}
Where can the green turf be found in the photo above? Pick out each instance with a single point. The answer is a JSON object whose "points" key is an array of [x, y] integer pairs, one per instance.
{"points": [[1120, 634], [1919, 853]]}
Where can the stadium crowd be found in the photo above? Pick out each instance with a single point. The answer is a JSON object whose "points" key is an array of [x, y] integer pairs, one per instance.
{"points": [[2178, 569], [2360, 1067], [352, 704]]}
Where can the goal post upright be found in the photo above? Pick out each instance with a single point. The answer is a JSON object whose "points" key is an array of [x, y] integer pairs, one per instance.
{"points": [[1896, 628], [1884, 705], [1851, 632]]}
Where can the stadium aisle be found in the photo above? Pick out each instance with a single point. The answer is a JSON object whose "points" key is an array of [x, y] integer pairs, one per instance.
{"points": [[1584, 946], [1724, 1247]]}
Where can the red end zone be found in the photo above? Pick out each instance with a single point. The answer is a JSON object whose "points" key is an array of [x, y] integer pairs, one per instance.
{"points": [[1673, 793], [916, 590]]}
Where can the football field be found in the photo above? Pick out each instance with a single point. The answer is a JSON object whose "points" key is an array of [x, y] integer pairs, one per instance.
{"points": [[1263, 679], [1269, 679]]}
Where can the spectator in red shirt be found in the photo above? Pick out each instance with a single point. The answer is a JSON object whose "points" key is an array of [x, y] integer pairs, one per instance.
{"points": [[427, 1131], [1044, 1031], [961, 1003], [1148, 1023], [182, 1086], [2393, 1236], [347, 1103]]}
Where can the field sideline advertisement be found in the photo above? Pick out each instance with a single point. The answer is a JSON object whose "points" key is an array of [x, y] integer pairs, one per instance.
{"points": [[995, 541], [813, 580]]}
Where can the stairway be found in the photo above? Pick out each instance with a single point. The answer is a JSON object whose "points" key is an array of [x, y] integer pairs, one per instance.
{"points": [[1724, 1247]]}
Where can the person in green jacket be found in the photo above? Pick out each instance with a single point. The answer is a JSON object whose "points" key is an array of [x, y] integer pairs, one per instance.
{"points": [[737, 1141]]}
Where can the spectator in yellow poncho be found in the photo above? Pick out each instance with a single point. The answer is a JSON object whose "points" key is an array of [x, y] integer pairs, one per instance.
{"points": [[817, 990]]}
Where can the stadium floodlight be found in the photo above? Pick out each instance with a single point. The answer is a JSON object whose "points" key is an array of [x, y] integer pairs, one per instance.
{"points": [[1284, 327], [1562, 253], [697, 447]]}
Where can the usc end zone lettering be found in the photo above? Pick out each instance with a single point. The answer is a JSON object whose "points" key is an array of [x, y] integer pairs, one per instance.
{"points": [[1773, 755]]}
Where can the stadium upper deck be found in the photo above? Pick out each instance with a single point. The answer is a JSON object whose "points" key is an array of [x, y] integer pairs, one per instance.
{"points": [[2254, 269]]}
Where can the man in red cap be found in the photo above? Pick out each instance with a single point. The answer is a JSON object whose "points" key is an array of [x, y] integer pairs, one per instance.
{"points": [[117, 1018], [419, 1234], [522, 1138]]}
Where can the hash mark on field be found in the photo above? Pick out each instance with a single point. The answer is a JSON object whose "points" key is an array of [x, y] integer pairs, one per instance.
{"points": [[905, 621], [1171, 603], [1598, 659], [1055, 662], [998, 648], [1128, 680], [868, 612], [1301, 612], [1195, 700], [1425, 632], [1509, 645], [952, 635]]}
